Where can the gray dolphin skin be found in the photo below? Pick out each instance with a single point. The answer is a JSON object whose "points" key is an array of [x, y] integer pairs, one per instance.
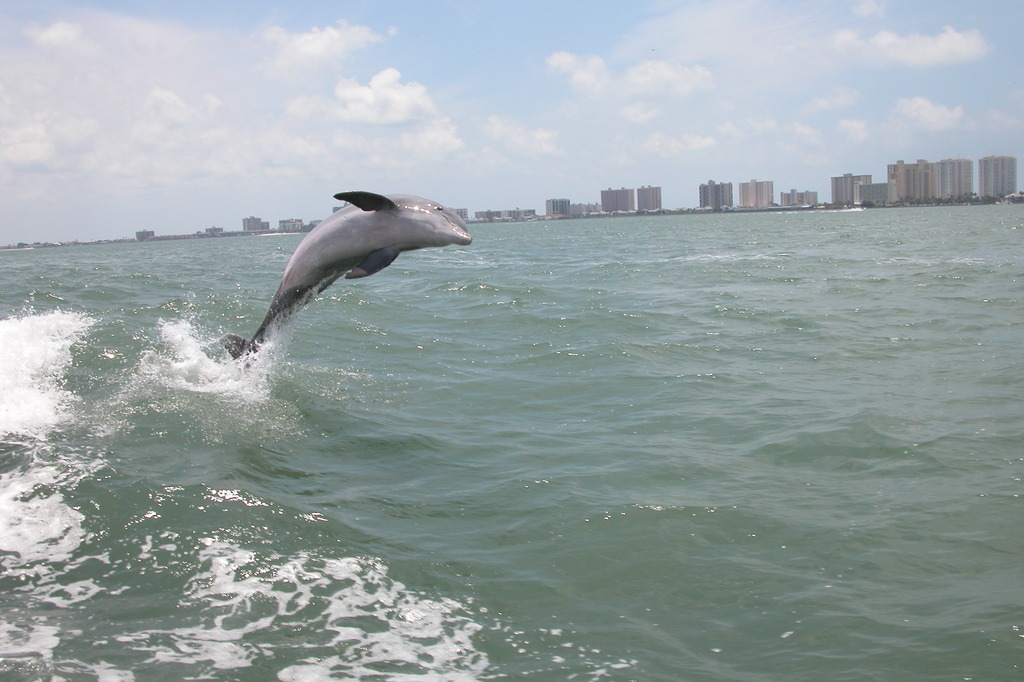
{"points": [[356, 241]]}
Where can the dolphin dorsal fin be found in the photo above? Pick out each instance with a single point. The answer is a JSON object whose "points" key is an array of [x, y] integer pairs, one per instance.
{"points": [[368, 201]]}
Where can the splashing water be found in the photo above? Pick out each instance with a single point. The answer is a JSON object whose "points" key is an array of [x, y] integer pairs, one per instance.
{"points": [[36, 352], [182, 364]]}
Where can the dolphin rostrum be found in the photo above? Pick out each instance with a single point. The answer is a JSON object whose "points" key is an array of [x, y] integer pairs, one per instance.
{"points": [[356, 241]]}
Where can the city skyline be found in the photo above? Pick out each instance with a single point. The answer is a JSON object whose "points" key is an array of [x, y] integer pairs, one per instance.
{"points": [[915, 182], [949, 179], [117, 116]]}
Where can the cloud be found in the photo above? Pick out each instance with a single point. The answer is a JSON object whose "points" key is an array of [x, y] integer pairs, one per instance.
{"points": [[921, 113], [518, 138], [426, 143], [318, 46], [640, 113], [916, 50], [436, 139], [588, 74], [855, 130], [666, 145], [869, 9], [45, 140], [385, 100], [60, 35], [840, 97], [168, 122], [656, 77], [803, 134]]}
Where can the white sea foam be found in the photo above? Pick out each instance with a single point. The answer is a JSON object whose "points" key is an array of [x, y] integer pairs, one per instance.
{"points": [[27, 651], [182, 363], [186, 376], [36, 353], [350, 607], [35, 522]]}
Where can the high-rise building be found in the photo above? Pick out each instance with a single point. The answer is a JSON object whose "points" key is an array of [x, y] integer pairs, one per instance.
{"points": [[716, 195], [613, 200], [912, 181], [583, 209], [557, 207], [875, 192], [956, 178], [794, 198], [842, 187], [648, 198], [253, 224], [997, 176], [509, 215], [757, 193], [290, 225]]}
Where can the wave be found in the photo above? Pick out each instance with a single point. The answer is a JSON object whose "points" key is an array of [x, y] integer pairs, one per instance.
{"points": [[37, 352], [358, 619]]}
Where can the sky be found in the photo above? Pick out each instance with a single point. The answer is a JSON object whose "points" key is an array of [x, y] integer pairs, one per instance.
{"points": [[123, 115]]}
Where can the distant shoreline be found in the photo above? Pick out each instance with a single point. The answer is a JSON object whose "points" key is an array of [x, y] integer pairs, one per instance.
{"points": [[826, 208]]}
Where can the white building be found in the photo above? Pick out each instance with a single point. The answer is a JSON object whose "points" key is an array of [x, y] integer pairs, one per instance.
{"points": [[956, 178], [715, 195], [757, 193], [997, 176], [648, 198], [557, 207], [794, 198], [843, 187]]}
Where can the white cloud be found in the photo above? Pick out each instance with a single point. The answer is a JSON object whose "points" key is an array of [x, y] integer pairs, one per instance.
{"points": [[518, 138], [867, 9], [803, 134], [640, 93], [656, 77], [168, 123], [855, 130], [318, 46], [921, 113], [60, 35], [948, 47], [640, 113], [45, 140], [667, 145], [26, 145], [588, 74], [436, 139], [384, 100], [840, 97], [426, 143]]}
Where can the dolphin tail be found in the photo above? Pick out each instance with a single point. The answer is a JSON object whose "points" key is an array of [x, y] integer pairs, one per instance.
{"points": [[236, 345]]}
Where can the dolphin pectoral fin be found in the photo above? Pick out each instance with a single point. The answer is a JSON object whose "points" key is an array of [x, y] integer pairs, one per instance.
{"points": [[375, 261], [234, 344], [368, 201]]}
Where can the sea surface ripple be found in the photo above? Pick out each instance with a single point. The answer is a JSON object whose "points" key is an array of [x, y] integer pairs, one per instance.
{"points": [[723, 447]]}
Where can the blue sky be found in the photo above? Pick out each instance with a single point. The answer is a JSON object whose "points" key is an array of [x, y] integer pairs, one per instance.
{"points": [[119, 116]]}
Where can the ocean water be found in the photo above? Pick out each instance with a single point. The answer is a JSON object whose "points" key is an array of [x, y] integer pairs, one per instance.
{"points": [[749, 447]]}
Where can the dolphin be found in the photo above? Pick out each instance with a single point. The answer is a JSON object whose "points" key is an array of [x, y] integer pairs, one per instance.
{"points": [[356, 241]]}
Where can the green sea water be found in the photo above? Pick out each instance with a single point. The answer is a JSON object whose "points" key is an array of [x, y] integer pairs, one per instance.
{"points": [[769, 446]]}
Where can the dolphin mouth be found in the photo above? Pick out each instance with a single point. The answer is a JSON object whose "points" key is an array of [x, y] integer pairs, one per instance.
{"points": [[464, 237]]}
